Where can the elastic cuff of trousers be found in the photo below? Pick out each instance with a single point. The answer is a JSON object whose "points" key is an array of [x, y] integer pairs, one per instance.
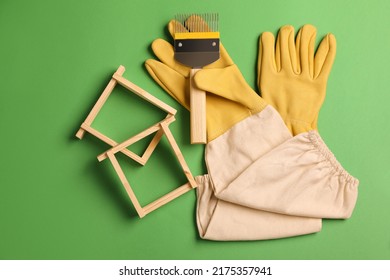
{"points": [[320, 145]]}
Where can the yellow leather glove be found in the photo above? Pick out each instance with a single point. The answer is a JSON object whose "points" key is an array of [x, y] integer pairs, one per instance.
{"points": [[229, 99], [292, 78]]}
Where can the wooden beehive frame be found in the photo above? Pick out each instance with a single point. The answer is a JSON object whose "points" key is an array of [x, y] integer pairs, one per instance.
{"points": [[161, 128]]}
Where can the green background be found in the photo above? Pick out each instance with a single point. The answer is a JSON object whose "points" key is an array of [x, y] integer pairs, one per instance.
{"points": [[58, 202]]}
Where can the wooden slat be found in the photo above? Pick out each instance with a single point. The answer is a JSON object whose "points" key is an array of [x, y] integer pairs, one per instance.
{"points": [[102, 99]]}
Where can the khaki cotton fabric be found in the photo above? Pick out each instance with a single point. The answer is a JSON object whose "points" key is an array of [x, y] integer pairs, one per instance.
{"points": [[300, 177], [297, 176], [224, 221]]}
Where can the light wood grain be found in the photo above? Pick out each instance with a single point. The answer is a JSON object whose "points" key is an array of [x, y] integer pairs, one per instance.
{"points": [[102, 99], [197, 112]]}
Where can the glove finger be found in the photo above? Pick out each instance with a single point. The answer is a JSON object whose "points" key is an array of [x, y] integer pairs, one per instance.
{"points": [[266, 57], [325, 56], [285, 49], [175, 26], [196, 23], [305, 49], [165, 53], [171, 81]]}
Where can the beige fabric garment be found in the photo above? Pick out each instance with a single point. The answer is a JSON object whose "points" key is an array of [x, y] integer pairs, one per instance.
{"points": [[258, 164], [221, 220], [224, 221]]}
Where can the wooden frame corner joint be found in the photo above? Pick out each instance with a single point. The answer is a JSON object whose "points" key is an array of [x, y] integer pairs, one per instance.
{"points": [[161, 128]]}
